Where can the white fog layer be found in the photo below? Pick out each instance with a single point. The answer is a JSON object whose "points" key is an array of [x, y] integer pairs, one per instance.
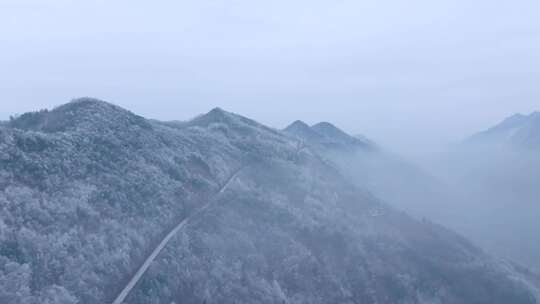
{"points": [[269, 152]]}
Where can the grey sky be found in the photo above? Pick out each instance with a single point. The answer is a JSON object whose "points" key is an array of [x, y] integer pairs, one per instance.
{"points": [[412, 74]]}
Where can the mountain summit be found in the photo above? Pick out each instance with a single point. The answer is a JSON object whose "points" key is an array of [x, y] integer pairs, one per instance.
{"points": [[328, 136], [79, 114], [303, 131], [519, 131]]}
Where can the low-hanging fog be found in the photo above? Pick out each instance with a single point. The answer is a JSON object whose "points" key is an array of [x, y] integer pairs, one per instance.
{"points": [[484, 187], [486, 192], [500, 197]]}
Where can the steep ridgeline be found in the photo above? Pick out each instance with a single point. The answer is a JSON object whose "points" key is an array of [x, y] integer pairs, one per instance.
{"points": [[499, 172], [88, 190], [389, 177], [326, 136], [517, 131]]}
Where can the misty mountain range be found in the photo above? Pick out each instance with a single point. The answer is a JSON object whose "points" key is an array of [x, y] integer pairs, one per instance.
{"points": [[518, 130], [370, 166], [309, 214], [487, 182], [497, 173]]}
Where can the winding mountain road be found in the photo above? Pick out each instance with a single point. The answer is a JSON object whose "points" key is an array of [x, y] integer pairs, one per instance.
{"points": [[144, 267]]}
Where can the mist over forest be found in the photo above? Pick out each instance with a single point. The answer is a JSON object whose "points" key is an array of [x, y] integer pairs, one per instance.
{"points": [[102, 205], [306, 152]]}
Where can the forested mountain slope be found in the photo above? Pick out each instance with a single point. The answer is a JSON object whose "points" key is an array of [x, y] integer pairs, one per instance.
{"points": [[390, 177], [88, 189], [498, 171]]}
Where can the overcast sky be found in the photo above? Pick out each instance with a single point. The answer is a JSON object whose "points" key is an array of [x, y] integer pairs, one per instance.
{"points": [[411, 74]]}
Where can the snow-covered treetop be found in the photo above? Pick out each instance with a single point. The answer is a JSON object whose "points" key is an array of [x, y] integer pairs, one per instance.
{"points": [[82, 113]]}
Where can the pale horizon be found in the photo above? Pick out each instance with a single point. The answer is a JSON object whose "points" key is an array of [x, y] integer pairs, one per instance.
{"points": [[414, 77]]}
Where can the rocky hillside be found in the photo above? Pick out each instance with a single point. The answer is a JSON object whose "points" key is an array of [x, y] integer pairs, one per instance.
{"points": [[88, 189]]}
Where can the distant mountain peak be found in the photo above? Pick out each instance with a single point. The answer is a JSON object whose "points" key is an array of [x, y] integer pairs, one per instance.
{"points": [[518, 130], [298, 124], [520, 118], [512, 120], [215, 116], [303, 131], [91, 107], [516, 116], [88, 102], [325, 134], [80, 113], [330, 130], [217, 111], [299, 127], [240, 125], [324, 124]]}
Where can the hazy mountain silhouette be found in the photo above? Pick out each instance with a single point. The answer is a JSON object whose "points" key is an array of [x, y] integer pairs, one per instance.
{"points": [[389, 176], [519, 131], [498, 173]]}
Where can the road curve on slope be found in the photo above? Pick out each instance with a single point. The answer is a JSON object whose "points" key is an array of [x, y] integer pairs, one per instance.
{"points": [[144, 267]]}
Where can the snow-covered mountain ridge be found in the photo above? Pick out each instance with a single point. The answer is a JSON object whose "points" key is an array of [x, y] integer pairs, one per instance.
{"points": [[88, 189]]}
